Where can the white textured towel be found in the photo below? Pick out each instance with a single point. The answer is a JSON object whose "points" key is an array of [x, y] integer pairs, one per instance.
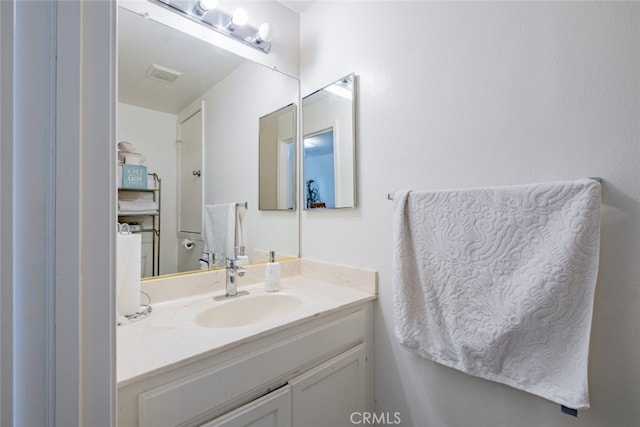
{"points": [[220, 230], [137, 206], [499, 282], [241, 211]]}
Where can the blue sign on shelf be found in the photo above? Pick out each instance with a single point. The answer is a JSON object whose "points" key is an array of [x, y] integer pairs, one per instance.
{"points": [[134, 176]]}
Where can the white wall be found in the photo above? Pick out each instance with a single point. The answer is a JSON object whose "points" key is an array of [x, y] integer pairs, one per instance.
{"points": [[153, 133], [468, 94]]}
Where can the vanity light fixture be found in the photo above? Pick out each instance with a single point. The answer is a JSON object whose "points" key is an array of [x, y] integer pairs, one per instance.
{"points": [[235, 25], [262, 36], [203, 6], [238, 19]]}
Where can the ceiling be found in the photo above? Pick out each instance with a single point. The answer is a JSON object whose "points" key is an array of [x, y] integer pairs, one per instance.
{"points": [[297, 5], [143, 42]]}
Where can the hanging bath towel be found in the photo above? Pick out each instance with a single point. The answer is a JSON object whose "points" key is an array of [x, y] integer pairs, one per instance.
{"points": [[499, 282], [220, 230]]}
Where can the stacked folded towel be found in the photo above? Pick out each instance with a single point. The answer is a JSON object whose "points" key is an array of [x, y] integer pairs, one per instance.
{"points": [[127, 150], [138, 206]]}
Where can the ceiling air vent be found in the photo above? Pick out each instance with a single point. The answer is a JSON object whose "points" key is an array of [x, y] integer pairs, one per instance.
{"points": [[163, 74]]}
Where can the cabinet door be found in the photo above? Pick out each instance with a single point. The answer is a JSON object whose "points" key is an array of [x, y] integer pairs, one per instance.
{"points": [[271, 410], [329, 394]]}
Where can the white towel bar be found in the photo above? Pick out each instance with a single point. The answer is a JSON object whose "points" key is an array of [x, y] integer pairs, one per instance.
{"points": [[390, 195]]}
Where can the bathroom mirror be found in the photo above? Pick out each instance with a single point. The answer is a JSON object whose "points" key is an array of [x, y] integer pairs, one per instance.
{"points": [[328, 117], [167, 77], [277, 160]]}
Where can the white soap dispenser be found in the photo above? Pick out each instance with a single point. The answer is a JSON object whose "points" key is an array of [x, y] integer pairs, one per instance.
{"points": [[272, 274], [242, 258]]}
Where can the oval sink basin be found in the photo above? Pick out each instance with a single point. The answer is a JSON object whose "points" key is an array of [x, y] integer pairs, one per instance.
{"points": [[246, 310]]}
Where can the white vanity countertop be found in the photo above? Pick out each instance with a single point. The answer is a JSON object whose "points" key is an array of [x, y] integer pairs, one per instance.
{"points": [[170, 337]]}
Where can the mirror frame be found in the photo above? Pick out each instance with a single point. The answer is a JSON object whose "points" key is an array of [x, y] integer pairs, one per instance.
{"points": [[352, 77]]}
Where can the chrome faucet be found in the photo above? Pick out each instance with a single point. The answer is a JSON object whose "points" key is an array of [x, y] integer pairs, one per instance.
{"points": [[232, 270]]}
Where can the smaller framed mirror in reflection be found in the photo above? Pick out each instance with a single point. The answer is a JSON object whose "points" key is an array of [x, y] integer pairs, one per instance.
{"points": [[277, 160], [329, 129]]}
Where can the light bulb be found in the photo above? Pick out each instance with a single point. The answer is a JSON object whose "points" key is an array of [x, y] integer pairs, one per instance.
{"points": [[208, 4], [264, 32], [203, 6], [239, 17]]}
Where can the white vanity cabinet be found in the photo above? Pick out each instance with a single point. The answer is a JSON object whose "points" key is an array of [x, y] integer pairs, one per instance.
{"points": [[315, 372], [325, 396], [272, 410], [329, 394]]}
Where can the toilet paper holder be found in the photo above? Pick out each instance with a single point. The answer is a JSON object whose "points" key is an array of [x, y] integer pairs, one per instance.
{"points": [[188, 244]]}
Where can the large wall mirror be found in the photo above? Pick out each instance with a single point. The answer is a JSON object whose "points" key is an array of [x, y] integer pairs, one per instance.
{"points": [[328, 117], [190, 112]]}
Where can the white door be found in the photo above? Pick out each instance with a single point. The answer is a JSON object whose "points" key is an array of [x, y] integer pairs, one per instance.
{"points": [[190, 179], [271, 410], [329, 394]]}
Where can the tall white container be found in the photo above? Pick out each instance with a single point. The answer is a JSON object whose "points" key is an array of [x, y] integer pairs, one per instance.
{"points": [[128, 265], [272, 274]]}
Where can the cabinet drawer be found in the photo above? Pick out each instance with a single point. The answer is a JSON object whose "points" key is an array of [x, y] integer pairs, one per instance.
{"points": [[180, 401]]}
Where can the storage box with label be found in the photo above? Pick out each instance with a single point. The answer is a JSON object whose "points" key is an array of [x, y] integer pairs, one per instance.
{"points": [[134, 176]]}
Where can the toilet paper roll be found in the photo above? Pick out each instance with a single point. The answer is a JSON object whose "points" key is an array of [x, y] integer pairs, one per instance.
{"points": [[128, 251]]}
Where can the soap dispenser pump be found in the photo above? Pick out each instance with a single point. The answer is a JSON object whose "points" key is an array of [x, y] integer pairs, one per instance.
{"points": [[272, 274], [242, 258]]}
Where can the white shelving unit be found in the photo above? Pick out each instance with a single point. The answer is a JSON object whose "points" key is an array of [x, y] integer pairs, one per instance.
{"points": [[153, 222]]}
